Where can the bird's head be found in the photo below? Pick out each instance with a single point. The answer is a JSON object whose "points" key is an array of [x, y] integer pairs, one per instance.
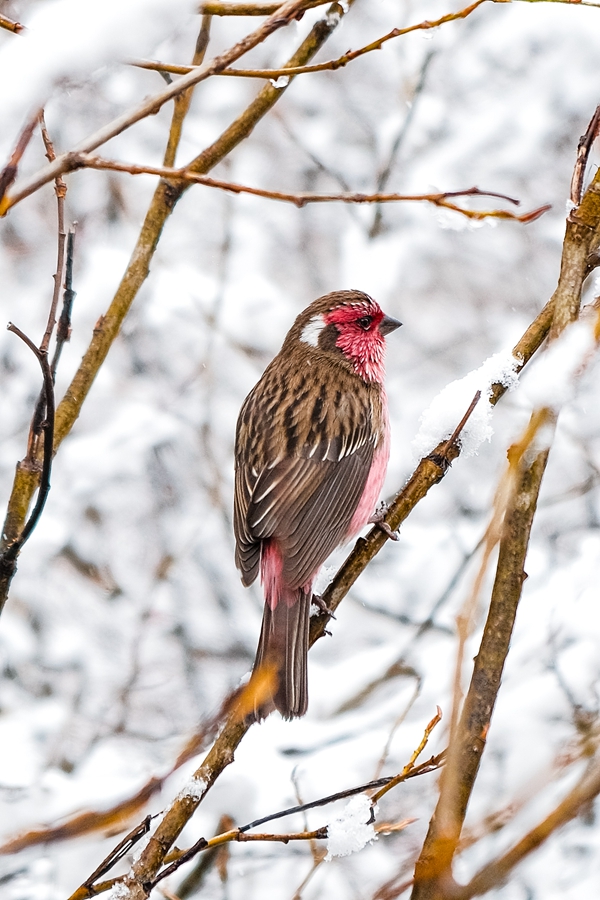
{"points": [[349, 326]]}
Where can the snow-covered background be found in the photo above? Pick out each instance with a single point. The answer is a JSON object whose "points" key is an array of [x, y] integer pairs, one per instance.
{"points": [[127, 622]]}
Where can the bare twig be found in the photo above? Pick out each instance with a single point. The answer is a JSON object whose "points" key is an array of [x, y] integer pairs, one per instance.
{"points": [[495, 872], [10, 25], [409, 768], [237, 8], [440, 198], [9, 555], [63, 331], [60, 189], [583, 152], [332, 64], [285, 14], [9, 172], [182, 101], [241, 835]]}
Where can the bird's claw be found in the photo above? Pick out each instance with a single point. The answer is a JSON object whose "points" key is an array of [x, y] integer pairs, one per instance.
{"points": [[378, 519], [322, 606]]}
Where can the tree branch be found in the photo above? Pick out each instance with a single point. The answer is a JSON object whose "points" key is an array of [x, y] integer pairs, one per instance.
{"points": [[284, 15], [433, 874], [187, 176]]}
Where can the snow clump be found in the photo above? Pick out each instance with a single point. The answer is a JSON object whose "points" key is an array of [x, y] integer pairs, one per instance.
{"points": [[349, 832], [447, 409]]}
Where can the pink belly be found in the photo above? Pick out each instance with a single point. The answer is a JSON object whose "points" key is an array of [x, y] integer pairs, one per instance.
{"points": [[372, 489]]}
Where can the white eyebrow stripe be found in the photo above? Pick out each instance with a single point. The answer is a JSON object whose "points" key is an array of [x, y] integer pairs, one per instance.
{"points": [[312, 331]]}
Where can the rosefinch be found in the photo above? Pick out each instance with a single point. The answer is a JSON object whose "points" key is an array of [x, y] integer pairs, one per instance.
{"points": [[312, 446]]}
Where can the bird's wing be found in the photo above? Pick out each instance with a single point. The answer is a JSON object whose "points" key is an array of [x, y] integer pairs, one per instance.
{"points": [[305, 502], [307, 505]]}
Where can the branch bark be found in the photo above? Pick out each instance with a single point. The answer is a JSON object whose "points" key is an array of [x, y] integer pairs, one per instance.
{"points": [[433, 870]]}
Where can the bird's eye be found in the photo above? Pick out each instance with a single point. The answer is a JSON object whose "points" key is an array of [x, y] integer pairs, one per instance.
{"points": [[365, 322]]}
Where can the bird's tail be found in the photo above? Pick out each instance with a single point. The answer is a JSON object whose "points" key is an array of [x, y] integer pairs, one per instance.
{"points": [[282, 650]]}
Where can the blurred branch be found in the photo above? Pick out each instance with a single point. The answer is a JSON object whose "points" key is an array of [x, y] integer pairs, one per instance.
{"points": [[12, 548], [495, 872], [9, 25], [9, 172], [441, 199], [60, 189], [433, 870], [284, 15], [107, 327], [583, 153], [386, 171], [240, 834], [182, 101], [233, 8], [330, 65], [63, 331]]}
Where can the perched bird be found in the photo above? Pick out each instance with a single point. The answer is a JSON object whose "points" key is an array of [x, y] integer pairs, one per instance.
{"points": [[312, 446]]}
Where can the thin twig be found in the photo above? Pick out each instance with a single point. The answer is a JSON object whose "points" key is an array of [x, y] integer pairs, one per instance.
{"points": [[583, 152], [10, 25], [8, 557], [409, 768], [233, 8], [182, 101], [60, 189], [284, 15], [9, 172], [332, 64], [440, 198], [118, 852], [241, 835], [63, 331]]}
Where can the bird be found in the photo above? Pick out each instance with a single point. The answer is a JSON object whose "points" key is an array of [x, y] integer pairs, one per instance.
{"points": [[311, 452]]}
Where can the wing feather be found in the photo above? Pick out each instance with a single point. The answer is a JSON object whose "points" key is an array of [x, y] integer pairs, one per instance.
{"points": [[301, 469]]}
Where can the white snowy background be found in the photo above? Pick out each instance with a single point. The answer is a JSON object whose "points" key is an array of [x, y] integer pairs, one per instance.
{"points": [[127, 622]]}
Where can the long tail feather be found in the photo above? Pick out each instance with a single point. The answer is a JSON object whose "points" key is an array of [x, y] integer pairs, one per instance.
{"points": [[283, 646]]}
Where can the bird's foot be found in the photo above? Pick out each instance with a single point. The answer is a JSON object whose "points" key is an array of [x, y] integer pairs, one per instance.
{"points": [[318, 601], [378, 519]]}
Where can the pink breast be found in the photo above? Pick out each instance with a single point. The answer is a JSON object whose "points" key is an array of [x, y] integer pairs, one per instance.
{"points": [[375, 479]]}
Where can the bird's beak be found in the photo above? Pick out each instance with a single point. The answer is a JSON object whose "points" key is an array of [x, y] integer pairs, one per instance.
{"points": [[387, 325]]}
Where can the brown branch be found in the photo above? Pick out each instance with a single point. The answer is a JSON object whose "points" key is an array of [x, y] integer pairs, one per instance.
{"points": [[182, 101], [60, 189], [330, 65], [495, 872], [284, 15], [241, 835], [233, 8], [433, 870], [8, 557], [9, 172], [185, 175], [583, 152], [10, 25]]}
